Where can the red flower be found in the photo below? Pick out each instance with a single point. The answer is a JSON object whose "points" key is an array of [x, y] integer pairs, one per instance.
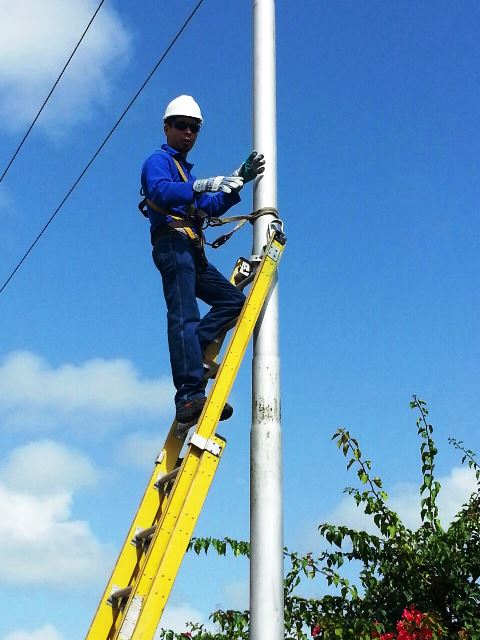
{"points": [[412, 614], [408, 614], [403, 634], [316, 631], [414, 625]]}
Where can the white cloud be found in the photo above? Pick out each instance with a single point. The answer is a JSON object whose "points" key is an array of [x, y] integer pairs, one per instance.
{"points": [[404, 498], [34, 394], [141, 450], [175, 617], [44, 466], [237, 594], [36, 39], [42, 544], [45, 633], [456, 488]]}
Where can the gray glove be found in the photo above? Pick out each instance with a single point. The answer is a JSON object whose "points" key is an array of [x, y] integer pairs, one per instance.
{"points": [[220, 183], [253, 166]]}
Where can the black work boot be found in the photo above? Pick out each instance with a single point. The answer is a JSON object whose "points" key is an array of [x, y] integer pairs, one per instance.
{"points": [[227, 412], [189, 411]]}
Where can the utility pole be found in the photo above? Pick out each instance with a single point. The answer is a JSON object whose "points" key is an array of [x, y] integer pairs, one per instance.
{"points": [[266, 513]]}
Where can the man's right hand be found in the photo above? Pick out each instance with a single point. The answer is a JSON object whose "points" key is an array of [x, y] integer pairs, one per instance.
{"points": [[227, 184]]}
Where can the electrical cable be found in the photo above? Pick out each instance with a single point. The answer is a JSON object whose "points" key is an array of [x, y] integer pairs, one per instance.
{"points": [[51, 91], [109, 135]]}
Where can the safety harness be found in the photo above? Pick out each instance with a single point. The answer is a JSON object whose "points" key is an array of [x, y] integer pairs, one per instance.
{"points": [[194, 223], [189, 226]]}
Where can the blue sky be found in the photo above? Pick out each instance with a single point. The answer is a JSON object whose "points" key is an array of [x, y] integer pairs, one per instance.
{"points": [[378, 108]]}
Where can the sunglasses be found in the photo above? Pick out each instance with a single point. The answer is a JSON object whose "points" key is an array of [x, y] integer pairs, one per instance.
{"points": [[181, 125]]}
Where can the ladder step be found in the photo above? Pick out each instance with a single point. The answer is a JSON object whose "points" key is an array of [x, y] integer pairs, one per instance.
{"points": [[142, 535], [166, 478], [119, 594]]}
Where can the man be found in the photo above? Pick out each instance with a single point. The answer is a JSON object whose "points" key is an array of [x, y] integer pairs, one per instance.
{"points": [[175, 203]]}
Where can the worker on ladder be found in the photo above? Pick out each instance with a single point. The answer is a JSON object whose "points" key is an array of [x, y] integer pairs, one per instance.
{"points": [[176, 204]]}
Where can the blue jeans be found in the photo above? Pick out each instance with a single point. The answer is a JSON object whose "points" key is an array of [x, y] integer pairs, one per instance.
{"points": [[184, 280]]}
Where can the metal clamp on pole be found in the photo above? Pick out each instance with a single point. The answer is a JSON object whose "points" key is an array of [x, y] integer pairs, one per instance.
{"points": [[275, 226]]}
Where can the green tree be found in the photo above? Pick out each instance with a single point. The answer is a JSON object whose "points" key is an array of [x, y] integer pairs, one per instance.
{"points": [[421, 584]]}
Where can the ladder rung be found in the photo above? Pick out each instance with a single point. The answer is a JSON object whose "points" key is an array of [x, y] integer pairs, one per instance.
{"points": [[246, 281], [144, 534], [119, 594], [166, 478]]}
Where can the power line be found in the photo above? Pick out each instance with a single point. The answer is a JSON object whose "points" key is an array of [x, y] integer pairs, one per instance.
{"points": [[92, 159], [50, 93]]}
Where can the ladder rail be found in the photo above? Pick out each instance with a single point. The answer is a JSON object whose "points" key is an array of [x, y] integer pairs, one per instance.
{"points": [[107, 617], [170, 543], [156, 582]]}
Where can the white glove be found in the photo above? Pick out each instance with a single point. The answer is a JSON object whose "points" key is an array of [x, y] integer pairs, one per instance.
{"points": [[253, 166], [220, 183]]}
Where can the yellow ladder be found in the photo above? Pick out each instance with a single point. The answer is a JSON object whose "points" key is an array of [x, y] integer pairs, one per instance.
{"points": [[137, 592]]}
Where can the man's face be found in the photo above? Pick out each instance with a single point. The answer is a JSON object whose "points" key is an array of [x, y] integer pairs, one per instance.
{"points": [[182, 133]]}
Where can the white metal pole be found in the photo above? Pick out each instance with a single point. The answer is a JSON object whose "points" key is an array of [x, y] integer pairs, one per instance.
{"points": [[266, 514]]}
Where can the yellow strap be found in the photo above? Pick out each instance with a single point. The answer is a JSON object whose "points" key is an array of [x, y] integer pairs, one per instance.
{"points": [[183, 228], [180, 170], [155, 207], [188, 230]]}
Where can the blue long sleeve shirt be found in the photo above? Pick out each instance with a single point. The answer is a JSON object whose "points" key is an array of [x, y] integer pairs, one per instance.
{"points": [[162, 183]]}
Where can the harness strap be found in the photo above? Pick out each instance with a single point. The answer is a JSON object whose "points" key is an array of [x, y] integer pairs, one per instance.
{"points": [[264, 211], [180, 169], [183, 225], [251, 217]]}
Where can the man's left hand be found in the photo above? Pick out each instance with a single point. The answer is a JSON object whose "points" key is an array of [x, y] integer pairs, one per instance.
{"points": [[253, 166]]}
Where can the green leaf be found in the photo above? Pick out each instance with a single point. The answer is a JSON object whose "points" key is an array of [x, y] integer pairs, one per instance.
{"points": [[362, 476]]}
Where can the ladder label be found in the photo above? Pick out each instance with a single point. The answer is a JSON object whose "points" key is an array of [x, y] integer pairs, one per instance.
{"points": [[128, 626]]}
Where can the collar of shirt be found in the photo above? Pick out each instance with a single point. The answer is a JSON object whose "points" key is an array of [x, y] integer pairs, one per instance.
{"points": [[177, 155]]}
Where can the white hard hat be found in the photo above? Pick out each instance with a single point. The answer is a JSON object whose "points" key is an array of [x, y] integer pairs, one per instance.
{"points": [[183, 106]]}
